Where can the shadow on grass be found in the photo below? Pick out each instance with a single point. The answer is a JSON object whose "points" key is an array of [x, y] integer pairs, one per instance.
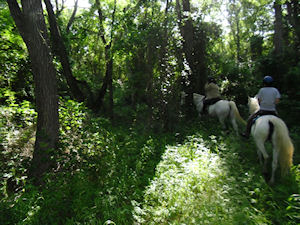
{"points": [[106, 168], [102, 169]]}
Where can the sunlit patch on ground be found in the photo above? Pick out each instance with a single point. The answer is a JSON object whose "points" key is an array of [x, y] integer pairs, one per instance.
{"points": [[194, 185]]}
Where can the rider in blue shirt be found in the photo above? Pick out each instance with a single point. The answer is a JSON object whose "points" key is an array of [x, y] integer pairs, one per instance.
{"points": [[268, 97]]}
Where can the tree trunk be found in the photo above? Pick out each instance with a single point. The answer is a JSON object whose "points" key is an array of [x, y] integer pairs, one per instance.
{"points": [[110, 89], [293, 8], [195, 56], [278, 29], [61, 52], [72, 18], [107, 82], [296, 17], [234, 20], [238, 41], [31, 25]]}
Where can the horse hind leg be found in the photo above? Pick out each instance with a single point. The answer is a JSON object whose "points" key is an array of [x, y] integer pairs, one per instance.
{"points": [[222, 122], [261, 151], [235, 126], [274, 165]]}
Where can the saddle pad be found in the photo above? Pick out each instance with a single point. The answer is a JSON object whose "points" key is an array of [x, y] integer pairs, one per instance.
{"points": [[264, 113], [212, 101]]}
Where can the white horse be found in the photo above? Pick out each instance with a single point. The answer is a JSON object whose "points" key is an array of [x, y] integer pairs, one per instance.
{"points": [[221, 109], [282, 145]]}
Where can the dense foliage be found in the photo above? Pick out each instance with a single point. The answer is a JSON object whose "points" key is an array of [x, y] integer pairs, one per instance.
{"points": [[128, 152], [126, 174]]}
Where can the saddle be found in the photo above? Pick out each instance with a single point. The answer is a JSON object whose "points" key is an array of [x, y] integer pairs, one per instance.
{"points": [[208, 102], [265, 113]]}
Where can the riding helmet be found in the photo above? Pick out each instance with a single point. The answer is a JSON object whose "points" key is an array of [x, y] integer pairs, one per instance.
{"points": [[268, 80], [211, 80]]}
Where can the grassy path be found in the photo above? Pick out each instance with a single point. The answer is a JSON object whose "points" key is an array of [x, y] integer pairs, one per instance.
{"points": [[199, 183], [128, 175], [215, 180]]}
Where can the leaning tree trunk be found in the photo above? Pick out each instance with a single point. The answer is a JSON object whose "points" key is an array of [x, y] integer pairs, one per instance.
{"points": [[31, 24], [72, 18], [61, 51]]}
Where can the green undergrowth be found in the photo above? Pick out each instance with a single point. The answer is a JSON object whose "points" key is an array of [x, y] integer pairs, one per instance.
{"points": [[127, 174], [195, 184], [205, 181]]}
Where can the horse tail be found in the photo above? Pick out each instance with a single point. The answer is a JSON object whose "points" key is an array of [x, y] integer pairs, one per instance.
{"points": [[235, 110], [284, 144]]}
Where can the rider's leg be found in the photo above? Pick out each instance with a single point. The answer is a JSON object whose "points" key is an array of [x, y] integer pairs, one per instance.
{"points": [[246, 134]]}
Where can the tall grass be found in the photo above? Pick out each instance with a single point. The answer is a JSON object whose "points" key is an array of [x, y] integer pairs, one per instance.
{"points": [[195, 184], [126, 174]]}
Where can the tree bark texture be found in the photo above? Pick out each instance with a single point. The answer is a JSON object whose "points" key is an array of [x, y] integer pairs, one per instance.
{"points": [[31, 24], [61, 52], [238, 41], [72, 18], [234, 20], [293, 8], [278, 29], [107, 82], [194, 50]]}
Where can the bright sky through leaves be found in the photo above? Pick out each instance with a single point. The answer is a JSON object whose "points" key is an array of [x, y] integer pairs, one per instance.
{"points": [[81, 3]]}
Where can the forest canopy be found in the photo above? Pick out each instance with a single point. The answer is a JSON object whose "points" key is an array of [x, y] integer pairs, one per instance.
{"points": [[145, 52]]}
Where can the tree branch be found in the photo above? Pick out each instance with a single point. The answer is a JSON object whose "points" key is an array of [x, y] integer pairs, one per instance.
{"points": [[100, 15], [72, 18], [17, 14]]}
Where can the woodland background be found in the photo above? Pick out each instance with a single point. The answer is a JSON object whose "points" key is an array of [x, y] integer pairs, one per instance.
{"points": [[92, 130]]}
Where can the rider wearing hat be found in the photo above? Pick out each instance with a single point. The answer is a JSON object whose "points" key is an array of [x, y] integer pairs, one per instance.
{"points": [[212, 93], [268, 97]]}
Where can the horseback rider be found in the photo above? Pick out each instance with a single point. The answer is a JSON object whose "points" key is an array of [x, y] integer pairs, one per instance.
{"points": [[268, 97], [212, 93]]}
